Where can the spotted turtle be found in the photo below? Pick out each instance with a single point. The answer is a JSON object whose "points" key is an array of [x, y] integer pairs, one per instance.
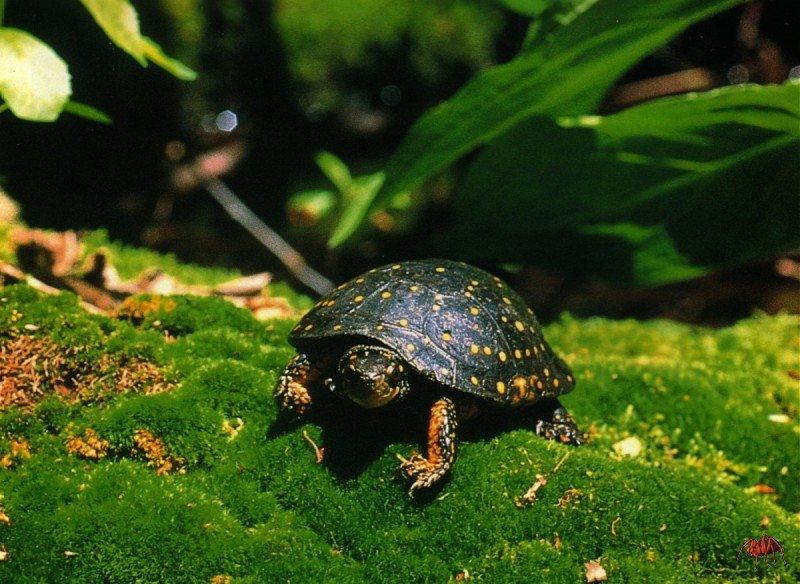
{"points": [[445, 330]]}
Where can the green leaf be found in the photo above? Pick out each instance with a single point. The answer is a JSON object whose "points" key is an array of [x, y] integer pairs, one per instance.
{"points": [[567, 74], [120, 22], [86, 111], [34, 81], [718, 170], [362, 193], [652, 257], [154, 52], [336, 170]]}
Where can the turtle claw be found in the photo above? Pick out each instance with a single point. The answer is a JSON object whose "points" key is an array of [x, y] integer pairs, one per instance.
{"points": [[423, 473]]}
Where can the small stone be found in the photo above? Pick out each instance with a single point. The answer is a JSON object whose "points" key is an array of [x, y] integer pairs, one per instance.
{"points": [[630, 446]]}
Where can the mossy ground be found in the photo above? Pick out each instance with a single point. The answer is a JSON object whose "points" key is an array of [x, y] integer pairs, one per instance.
{"points": [[243, 497]]}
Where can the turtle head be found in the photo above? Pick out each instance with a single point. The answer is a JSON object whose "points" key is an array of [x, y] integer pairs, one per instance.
{"points": [[372, 376]]}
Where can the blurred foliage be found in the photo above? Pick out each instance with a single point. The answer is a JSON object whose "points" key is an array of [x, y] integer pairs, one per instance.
{"points": [[330, 44], [661, 192], [35, 82]]}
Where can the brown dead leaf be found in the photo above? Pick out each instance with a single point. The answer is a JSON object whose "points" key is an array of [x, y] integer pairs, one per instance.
{"points": [[90, 445], [570, 495], [266, 307], [155, 451], [763, 489], [595, 572]]}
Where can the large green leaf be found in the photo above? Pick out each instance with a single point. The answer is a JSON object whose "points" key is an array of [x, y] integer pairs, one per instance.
{"points": [[719, 171], [566, 74], [34, 81]]}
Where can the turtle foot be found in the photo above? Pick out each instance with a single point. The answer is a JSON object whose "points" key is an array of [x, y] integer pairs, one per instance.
{"points": [[560, 426]]}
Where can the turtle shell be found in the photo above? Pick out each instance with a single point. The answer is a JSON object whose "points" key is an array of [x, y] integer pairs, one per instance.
{"points": [[452, 322]]}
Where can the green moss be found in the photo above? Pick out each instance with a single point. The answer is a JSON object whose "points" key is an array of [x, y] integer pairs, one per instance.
{"points": [[251, 503]]}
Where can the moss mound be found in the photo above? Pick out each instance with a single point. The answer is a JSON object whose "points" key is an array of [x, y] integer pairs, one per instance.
{"points": [[694, 448]]}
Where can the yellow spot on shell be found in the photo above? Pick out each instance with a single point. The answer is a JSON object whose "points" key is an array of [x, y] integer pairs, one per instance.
{"points": [[445, 371], [337, 327], [359, 280], [474, 282], [535, 350], [474, 349], [501, 387], [539, 384], [401, 368], [546, 372], [436, 307], [403, 322], [358, 298], [396, 267], [506, 300], [470, 287], [502, 356], [386, 294], [527, 352], [440, 269], [474, 311], [474, 380], [341, 286], [410, 347], [447, 337], [504, 318], [468, 294], [541, 346], [569, 377], [500, 285], [379, 327], [487, 351], [414, 288], [519, 325], [517, 354], [556, 382]]}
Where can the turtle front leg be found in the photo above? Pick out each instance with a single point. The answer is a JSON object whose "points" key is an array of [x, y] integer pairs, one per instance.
{"points": [[442, 445], [555, 423], [292, 390]]}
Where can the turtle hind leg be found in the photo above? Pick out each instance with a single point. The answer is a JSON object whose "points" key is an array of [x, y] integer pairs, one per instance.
{"points": [[442, 443], [555, 423], [293, 392]]}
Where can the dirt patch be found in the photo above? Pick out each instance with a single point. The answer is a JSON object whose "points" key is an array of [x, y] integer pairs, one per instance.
{"points": [[32, 368]]}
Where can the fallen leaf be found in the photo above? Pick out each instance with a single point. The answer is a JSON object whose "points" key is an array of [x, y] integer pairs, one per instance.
{"points": [[763, 489], [244, 286], [595, 572]]}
